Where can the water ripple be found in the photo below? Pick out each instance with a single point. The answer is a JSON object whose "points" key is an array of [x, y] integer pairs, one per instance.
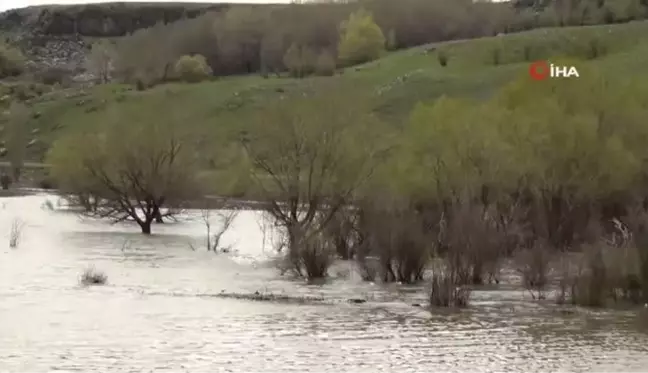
{"points": [[164, 310]]}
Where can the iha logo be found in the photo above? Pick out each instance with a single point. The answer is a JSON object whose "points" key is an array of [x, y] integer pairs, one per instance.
{"points": [[542, 70]]}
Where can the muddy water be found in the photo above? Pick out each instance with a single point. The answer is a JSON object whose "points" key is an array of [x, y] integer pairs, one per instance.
{"points": [[160, 311]]}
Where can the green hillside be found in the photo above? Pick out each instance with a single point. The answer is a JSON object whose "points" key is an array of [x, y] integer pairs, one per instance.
{"points": [[397, 81]]}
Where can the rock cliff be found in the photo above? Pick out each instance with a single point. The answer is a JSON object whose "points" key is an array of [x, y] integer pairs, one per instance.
{"points": [[98, 20], [56, 37]]}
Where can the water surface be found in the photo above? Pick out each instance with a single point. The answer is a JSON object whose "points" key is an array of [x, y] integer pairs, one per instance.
{"points": [[160, 311]]}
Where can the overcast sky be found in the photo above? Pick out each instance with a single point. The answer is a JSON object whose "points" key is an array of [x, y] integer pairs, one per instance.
{"points": [[11, 4]]}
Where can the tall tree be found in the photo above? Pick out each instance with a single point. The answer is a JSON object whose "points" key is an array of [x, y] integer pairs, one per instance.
{"points": [[308, 165], [361, 39]]}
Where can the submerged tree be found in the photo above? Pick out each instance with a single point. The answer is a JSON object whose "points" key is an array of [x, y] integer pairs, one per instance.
{"points": [[134, 165], [308, 165]]}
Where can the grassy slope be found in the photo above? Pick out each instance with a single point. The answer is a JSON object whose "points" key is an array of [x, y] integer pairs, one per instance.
{"points": [[398, 81]]}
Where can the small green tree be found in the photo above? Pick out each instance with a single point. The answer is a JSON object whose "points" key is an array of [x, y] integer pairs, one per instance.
{"points": [[361, 39], [193, 69]]}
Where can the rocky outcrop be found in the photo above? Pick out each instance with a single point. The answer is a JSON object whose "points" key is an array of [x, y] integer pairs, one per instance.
{"points": [[57, 39], [99, 20]]}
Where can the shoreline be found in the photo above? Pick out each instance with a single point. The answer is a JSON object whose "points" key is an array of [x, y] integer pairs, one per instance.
{"points": [[206, 202]]}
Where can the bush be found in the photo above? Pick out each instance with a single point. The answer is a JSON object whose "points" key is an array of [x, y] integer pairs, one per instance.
{"points": [[445, 290], [534, 266], [193, 69], [92, 276], [54, 75], [309, 258], [5, 181], [442, 57], [46, 182], [361, 39], [11, 61], [396, 240]]}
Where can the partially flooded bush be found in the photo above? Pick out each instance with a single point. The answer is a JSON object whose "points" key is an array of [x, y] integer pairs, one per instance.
{"points": [[534, 264], [446, 289], [637, 224], [15, 234], [592, 286], [92, 276], [602, 273], [5, 181], [472, 241], [311, 257], [396, 238], [341, 234]]}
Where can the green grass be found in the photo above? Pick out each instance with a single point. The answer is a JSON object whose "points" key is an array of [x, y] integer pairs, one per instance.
{"points": [[397, 81]]}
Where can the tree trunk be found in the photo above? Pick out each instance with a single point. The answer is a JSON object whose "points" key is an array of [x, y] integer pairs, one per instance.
{"points": [[146, 227], [158, 215]]}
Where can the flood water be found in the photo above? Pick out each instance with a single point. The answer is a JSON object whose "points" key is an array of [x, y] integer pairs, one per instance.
{"points": [[160, 311]]}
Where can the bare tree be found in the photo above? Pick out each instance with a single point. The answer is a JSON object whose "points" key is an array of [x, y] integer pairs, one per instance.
{"points": [[100, 61], [138, 167], [225, 220]]}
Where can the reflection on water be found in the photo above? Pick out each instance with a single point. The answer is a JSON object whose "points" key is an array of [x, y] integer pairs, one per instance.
{"points": [[158, 311]]}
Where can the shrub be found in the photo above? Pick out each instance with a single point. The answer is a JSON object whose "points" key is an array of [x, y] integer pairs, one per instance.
{"points": [[442, 56], [309, 257], [92, 276], [534, 266], [446, 291], [11, 61], [15, 234], [472, 242], [361, 39], [5, 181], [47, 183], [54, 75], [396, 240], [193, 69]]}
